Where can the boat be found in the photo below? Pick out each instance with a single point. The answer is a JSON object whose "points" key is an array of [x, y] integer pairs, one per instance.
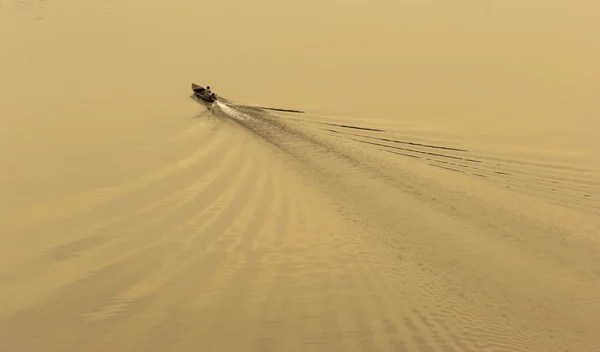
{"points": [[199, 92]]}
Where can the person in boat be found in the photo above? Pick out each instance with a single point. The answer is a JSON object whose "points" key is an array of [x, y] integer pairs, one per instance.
{"points": [[207, 92]]}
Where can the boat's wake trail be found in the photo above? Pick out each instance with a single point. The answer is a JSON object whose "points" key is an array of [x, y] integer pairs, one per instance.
{"points": [[231, 111]]}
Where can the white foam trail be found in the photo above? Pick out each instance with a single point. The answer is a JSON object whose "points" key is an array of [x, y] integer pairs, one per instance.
{"points": [[231, 112]]}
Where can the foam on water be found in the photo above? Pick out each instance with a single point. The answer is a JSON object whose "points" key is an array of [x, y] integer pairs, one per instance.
{"points": [[232, 112]]}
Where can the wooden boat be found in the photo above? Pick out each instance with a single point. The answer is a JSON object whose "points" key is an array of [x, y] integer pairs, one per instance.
{"points": [[199, 92]]}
